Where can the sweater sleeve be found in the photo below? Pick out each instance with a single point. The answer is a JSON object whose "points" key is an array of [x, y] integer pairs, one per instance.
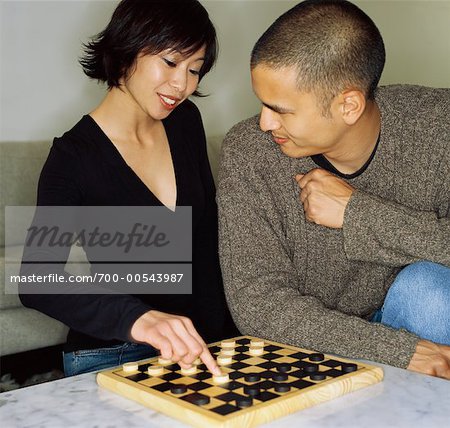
{"points": [[104, 316], [263, 288], [382, 231]]}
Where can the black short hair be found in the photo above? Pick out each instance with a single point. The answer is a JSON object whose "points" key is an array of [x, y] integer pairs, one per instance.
{"points": [[333, 44], [149, 27]]}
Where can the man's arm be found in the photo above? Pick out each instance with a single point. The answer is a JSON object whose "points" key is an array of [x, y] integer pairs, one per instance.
{"points": [[264, 290], [325, 199], [394, 234], [375, 229]]}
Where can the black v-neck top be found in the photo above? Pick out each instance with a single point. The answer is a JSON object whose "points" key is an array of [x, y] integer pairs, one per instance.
{"points": [[84, 168], [323, 162]]}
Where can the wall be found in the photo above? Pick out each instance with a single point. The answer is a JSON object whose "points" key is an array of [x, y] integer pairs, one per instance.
{"points": [[44, 92]]}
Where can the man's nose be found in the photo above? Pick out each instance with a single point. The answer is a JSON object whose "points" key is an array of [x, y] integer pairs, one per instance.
{"points": [[268, 120]]}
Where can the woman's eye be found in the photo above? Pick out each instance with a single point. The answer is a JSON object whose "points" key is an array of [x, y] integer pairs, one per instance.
{"points": [[169, 62], [195, 72]]}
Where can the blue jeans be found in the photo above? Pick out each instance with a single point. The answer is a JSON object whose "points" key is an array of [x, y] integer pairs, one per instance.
{"points": [[89, 360], [419, 301]]}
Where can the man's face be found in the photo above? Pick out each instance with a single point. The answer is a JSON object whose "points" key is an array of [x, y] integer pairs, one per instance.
{"points": [[294, 118]]}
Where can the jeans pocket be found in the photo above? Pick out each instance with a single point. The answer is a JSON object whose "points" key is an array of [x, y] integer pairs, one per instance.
{"points": [[88, 360], [111, 350]]}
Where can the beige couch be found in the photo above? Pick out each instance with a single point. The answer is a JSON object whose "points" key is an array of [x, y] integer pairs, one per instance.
{"points": [[23, 329]]}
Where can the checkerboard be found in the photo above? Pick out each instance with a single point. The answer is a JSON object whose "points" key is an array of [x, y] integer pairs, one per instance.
{"points": [[282, 380]]}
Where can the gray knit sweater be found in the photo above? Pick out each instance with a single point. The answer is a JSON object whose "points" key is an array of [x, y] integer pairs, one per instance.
{"points": [[297, 282]]}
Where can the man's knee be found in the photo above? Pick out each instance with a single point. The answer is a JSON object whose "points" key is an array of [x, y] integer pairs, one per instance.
{"points": [[419, 301], [421, 276], [420, 287]]}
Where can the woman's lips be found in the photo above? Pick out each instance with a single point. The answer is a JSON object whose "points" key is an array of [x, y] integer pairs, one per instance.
{"points": [[168, 101]]}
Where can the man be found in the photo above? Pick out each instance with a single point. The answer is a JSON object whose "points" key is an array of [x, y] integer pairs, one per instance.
{"points": [[335, 208]]}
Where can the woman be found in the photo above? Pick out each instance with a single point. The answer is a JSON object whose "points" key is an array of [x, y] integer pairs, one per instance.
{"points": [[143, 145]]}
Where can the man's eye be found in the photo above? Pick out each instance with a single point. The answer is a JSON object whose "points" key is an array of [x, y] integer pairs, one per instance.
{"points": [[169, 62]]}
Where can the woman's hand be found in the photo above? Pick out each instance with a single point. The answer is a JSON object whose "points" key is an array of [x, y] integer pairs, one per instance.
{"points": [[175, 337]]}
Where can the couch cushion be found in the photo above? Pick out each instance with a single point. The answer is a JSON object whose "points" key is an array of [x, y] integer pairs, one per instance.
{"points": [[20, 167], [24, 329], [14, 253]]}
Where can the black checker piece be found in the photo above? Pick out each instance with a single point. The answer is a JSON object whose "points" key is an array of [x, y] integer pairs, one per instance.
{"points": [[316, 357], [349, 367], [244, 402], [318, 376], [252, 390], [280, 377], [282, 387], [178, 389], [243, 341], [198, 399], [252, 377], [311, 368], [283, 368], [236, 375]]}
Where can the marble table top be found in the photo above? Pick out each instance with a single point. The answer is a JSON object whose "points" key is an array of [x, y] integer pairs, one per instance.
{"points": [[403, 400]]}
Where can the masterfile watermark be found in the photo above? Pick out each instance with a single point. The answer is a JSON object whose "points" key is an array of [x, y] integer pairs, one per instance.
{"points": [[92, 250], [141, 235]]}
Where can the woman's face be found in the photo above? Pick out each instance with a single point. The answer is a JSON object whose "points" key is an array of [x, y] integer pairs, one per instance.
{"points": [[157, 84]]}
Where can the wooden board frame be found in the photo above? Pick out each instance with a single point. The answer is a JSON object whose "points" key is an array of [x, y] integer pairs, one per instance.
{"points": [[261, 413]]}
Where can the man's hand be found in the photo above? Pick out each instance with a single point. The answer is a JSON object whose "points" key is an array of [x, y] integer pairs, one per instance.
{"points": [[175, 337], [324, 197], [431, 359]]}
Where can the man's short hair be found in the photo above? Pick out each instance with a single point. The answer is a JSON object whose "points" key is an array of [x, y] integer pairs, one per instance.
{"points": [[149, 27], [333, 44]]}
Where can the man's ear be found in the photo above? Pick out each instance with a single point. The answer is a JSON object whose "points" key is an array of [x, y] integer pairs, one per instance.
{"points": [[352, 104]]}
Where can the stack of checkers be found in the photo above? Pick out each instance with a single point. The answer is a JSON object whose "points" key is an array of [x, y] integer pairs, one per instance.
{"points": [[260, 381]]}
